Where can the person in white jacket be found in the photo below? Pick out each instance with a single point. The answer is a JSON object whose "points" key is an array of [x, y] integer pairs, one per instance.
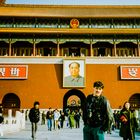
{"points": [[56, 119]]}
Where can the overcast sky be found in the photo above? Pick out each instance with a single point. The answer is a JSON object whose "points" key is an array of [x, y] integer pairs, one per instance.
{"points": [[76, 2]]}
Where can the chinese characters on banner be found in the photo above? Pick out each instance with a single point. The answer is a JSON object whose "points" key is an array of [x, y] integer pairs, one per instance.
{"points": [[130, 72], [13, 71]]}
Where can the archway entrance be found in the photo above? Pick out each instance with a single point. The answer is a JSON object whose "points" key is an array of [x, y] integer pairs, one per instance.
{"points": [[11, 101], [74, 99], [135, 101]]}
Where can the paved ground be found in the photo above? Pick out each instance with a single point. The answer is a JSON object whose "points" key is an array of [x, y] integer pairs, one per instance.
{"points": [[62, 134]]}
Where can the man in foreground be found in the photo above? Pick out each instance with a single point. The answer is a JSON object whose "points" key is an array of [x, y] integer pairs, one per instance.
{"points": [[95, 115]]}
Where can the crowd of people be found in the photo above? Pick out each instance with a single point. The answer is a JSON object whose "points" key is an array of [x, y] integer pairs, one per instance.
{"points": [[97, 115], [53, 119]]}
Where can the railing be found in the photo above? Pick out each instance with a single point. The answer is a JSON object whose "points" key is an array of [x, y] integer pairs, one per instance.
{"points": [[12, 124]]}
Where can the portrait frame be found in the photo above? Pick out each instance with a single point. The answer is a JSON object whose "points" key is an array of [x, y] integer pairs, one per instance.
{"points": [[80, 82]]}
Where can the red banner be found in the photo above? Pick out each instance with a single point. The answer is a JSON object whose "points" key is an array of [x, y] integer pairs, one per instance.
{"points": [[13, 71], [130, 72]]}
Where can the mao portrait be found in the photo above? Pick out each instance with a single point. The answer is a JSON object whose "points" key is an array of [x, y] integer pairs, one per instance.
{"points": [[74, 73]]}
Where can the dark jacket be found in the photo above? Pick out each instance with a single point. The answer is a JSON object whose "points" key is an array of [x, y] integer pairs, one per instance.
{"points": [[95, 112], [49, 115], [128, 123], [34, 115]]}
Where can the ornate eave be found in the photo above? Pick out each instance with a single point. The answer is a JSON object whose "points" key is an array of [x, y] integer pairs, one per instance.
{"points": [[70, 11]]}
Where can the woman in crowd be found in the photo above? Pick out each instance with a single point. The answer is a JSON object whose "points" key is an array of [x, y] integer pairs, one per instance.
{"points": [[128, 122]]}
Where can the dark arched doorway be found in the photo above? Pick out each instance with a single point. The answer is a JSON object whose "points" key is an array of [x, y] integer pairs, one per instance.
{"points": [[74, 92], [11, 101], [135, 101]]}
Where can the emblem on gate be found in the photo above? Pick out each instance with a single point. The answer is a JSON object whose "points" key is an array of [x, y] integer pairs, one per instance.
{"points": [[74, 23]]}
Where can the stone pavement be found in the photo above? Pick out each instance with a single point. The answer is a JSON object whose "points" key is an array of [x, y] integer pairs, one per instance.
{"points": [[62, 134]]}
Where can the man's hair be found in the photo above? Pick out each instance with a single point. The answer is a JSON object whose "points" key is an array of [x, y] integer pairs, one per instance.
{"points": [[75, 63], [98, 84], [36, 103]]}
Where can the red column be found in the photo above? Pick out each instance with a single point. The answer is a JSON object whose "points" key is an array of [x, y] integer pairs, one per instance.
{"points": [[58, 49], [10, 47], [91, 51], [34, 48], [138, 48], [115, 52]]}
